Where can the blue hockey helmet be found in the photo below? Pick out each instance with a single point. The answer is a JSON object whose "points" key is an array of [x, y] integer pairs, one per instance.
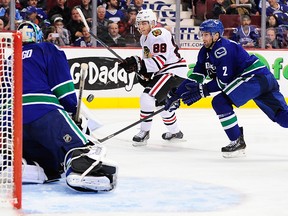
{"points": [[213, 26], [30, 32]]}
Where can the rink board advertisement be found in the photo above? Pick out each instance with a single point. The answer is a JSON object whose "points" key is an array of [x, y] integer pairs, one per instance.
{"points": [[112, 87]]}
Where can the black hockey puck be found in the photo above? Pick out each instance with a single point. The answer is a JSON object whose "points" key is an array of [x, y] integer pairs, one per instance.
{"points": [[90, 98]]}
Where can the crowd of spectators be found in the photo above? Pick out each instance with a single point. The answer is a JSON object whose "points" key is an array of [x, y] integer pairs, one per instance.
{"points": [[276, 22], [276, 18], [61, 23]]}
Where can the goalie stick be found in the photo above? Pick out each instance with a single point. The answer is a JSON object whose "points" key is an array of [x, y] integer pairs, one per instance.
{"points": [[102, 43], [83, 72]]}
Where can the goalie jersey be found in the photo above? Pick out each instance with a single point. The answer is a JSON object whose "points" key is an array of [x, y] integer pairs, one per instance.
{"points": [[160, 53], [47, 83]]}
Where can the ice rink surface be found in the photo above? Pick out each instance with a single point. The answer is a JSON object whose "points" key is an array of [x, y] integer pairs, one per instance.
{"points": [[189, 177]]}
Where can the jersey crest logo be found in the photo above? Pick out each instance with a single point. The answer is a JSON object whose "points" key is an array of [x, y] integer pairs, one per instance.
{"points": [[146, 51], [156, 32], [220, 52]]}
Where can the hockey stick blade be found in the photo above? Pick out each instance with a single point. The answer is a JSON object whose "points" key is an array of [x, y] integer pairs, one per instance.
{"points": [[130, 126]]}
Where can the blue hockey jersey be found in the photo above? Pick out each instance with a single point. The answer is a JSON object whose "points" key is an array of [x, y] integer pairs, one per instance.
{"points": [[223, 63], [47, 82]]}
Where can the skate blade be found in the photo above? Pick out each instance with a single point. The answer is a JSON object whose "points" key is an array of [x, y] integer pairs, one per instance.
{"points": [[235, 154], [138, 144], [175, 140]]}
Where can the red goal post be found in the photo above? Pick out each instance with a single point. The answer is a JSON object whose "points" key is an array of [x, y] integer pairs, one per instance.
{"points": [[10, 119]]}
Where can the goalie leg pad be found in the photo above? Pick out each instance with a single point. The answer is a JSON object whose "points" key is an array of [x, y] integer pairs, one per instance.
{"points": [[33, 173], [85, 173]]}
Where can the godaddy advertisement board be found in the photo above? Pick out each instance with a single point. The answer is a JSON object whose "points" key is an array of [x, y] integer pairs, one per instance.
{"points": [[112, 87]]}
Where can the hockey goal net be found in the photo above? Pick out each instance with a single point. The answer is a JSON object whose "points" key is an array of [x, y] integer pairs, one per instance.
{"points": [[10, 119]]}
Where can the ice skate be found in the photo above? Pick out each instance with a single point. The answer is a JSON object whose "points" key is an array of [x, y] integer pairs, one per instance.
{"points": [[141, 138], [235, 148], [169, 136]]}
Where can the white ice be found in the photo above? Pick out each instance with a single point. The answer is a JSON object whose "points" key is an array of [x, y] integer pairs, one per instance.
{"points": [[186, 178]]}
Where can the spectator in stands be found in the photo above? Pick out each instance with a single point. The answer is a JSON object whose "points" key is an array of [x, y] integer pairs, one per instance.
{"points": [[36, 3], [4, 12], [62, 9], [75, 25], [198, 10], [285, 36], [31, 15], [41, 14], [124, 4], [85, 40], [112, 12], [280, 30], [246, 34], [102, 22], [271, 41], [50, 35], [279, 10], [114, 39], [138, 4], [129, 30], [244, 7], [18, 5], [1, 25], [86, 9], [218, 8], [64, 34]]}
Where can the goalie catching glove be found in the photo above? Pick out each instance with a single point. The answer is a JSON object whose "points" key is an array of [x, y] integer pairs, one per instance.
{"points": [[87, 171]]}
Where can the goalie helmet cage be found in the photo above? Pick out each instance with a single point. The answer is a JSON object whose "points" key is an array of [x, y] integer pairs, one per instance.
{"points": [[10, 119]]}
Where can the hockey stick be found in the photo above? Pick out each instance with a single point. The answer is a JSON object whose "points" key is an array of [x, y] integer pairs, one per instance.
{"points": [[101, 42], [130, 126], [96, 37], [83, 72]]}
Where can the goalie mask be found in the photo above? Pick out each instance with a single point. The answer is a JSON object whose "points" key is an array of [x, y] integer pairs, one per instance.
{"points": [[146, 15], [31, 33]]}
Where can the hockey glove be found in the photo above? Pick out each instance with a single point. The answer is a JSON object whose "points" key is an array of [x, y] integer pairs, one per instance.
{"points": [[172, 101], [195, 91], [131, 64]]}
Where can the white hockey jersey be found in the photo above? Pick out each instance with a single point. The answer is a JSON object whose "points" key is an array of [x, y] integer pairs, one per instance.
{"points": [[160, 53]]}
